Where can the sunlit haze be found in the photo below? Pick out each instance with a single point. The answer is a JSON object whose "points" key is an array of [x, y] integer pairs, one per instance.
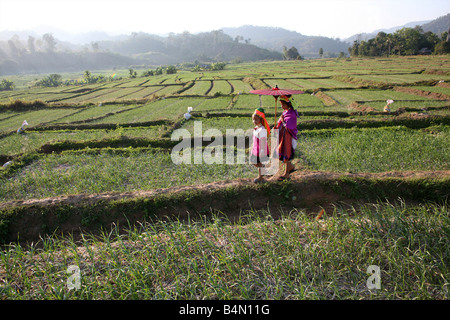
{"points": [[335, 18]]}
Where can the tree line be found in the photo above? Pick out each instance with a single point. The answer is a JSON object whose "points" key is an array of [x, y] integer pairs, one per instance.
{"points": [[56, 80], [48, 55], [406, 41]]}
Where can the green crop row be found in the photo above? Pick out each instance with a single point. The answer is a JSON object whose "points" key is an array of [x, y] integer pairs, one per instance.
{"points": [[377, 150], [33, 140], [68, 173], [344, 150]]}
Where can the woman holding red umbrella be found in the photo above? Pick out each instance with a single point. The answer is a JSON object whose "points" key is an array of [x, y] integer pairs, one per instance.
{"points": [[287, 124]]}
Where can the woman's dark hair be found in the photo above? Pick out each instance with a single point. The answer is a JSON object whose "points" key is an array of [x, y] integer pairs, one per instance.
{"points": [[287, 99], [289, 103]]}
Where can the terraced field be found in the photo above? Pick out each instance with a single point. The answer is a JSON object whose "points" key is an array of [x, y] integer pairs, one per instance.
{"points": [[98, 155]]}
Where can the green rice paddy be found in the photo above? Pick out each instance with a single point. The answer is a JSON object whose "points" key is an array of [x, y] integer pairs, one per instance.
{"points": [[116, 137]]}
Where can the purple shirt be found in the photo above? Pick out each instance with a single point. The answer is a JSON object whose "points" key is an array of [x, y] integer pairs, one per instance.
{"points": [[290, 122]]}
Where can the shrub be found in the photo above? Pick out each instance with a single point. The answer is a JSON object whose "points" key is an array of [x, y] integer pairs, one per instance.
{"points": [[6, 85], [52, 80], [218, 66], [171, 70]]}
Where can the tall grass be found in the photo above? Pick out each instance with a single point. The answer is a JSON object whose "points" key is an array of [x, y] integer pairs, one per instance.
{"points": [[375, 150], [338, 150], [72, 173], [33, 140], [255, 257]]}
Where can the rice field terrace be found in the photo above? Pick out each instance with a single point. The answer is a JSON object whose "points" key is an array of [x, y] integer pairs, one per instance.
{"points": [[92, 184]]}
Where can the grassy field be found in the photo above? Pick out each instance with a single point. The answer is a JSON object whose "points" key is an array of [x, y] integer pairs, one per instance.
{"points": [[294, 257], [113, 139]]}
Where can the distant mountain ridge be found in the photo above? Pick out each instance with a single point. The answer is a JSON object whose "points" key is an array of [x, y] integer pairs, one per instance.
{"points": [[369, 35], [139, 49], [75, 39], [437, 26], [24, 51], [272, 38]]}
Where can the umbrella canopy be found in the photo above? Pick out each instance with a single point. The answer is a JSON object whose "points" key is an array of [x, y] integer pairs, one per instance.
{"points": [[276, 92]]}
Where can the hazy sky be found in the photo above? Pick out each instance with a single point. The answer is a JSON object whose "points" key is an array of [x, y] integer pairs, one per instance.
{"points": [[331, 18]]}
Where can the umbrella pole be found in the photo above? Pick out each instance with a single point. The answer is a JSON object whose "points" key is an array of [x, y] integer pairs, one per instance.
{"points": [[276, 98]]}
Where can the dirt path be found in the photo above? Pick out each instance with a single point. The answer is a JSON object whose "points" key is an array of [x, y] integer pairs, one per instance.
{"points": [[298, 176], [27, 221]]}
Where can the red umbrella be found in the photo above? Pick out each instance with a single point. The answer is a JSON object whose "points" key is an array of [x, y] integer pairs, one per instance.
{"points": [[276, 92]]}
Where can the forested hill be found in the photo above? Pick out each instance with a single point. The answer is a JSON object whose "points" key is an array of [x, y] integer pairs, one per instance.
{"points": [[183, 47], [439, 25], [272, 38], [48, 54], [32, 53]]}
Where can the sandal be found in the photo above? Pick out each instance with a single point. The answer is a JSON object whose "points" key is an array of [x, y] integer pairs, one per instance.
{"points": [[281, 178]]}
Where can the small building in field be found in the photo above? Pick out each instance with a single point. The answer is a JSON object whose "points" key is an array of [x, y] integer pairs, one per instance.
{"points": [[425, 51]]}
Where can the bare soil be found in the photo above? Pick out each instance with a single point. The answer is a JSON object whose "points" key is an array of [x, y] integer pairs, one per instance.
{"points": [[443, 85], [326, 99], [427, 94], [361, 108]]}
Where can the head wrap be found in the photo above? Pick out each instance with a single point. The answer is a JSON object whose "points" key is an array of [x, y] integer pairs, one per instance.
{"points": [[284, 98], [260, 113]]}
